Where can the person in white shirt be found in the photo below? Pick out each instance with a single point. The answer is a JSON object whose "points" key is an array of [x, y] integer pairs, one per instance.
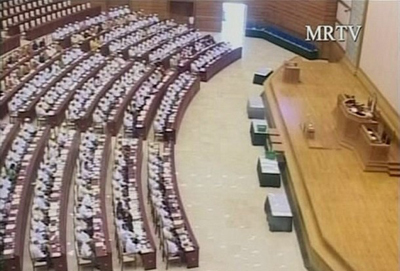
{"points": [[85, 212], [172, 247], [131, 247], [4, 192], [36, 252], [86, 251], [81, 236]]}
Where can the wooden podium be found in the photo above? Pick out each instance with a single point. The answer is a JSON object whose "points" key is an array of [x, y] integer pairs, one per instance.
{"points": [[363, 129], [291, 72]]}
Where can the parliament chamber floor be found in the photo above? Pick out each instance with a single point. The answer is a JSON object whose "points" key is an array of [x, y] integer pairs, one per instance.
{"points": [[125, 145]]}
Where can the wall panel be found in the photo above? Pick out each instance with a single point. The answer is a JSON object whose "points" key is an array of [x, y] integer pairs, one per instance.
{"points": [[380, 49], [209, 15]]}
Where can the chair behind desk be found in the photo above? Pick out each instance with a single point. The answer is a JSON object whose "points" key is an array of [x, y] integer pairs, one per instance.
{"points": [[48, 27]]}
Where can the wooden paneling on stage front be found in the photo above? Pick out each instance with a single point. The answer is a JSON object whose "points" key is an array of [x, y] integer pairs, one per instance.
{"points": [[350, 217]]}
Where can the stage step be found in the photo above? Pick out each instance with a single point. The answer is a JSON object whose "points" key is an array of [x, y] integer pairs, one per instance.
{"points": [[393, 167], [394, 173], [375, 169]]}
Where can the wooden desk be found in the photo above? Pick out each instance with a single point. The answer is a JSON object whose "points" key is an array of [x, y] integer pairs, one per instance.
{"points": [[15, 261], [172, 129], [125, 52], [104, 256], [10, 44], [348, 123], [86, 121], [104, 49], [114, 125], [21, 62], [5, 147], [186, 65], [142, 128], [10, 94], [160, 45], [372, 152], [149, 259], [59, 114], [30, 109], [166, 61], [60, 260], [191, 257], [224, 61]]}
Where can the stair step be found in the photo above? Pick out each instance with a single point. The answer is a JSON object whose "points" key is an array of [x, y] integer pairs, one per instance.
{"points": [[395, 173], [375, 169], [377, 164], [394, 167]]}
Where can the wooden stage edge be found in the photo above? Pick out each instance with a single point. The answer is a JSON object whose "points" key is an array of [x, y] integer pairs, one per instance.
{"points": [[313, 218]]}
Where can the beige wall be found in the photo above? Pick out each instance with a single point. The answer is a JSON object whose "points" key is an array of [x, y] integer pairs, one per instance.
{"points": [[380, 49]]}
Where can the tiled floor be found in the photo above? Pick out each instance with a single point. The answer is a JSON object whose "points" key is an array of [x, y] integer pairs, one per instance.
{"points": [[217, 175], [217, 172]]}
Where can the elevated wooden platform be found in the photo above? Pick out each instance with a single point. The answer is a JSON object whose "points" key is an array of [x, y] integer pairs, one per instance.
{"points": [[349, 217]]}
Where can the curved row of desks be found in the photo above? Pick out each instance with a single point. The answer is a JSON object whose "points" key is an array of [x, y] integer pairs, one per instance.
{"points": [[149, 259], [59, 114], [9, 138], [105, 49], [20, 62], [145, 56], [10, 93], [14, 251], [87, 120], [104, 255], [66, 41], [182, 67], [58, 248], [221, 64], [125, 51], [166, 61], [192, 257], [30, 111], [114, 125], [142, 128], [19, 211], [188, 246], [172, 128]]}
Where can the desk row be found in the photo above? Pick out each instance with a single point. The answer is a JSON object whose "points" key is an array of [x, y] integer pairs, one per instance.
{"points": [[18, 171], [177, 240]]}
